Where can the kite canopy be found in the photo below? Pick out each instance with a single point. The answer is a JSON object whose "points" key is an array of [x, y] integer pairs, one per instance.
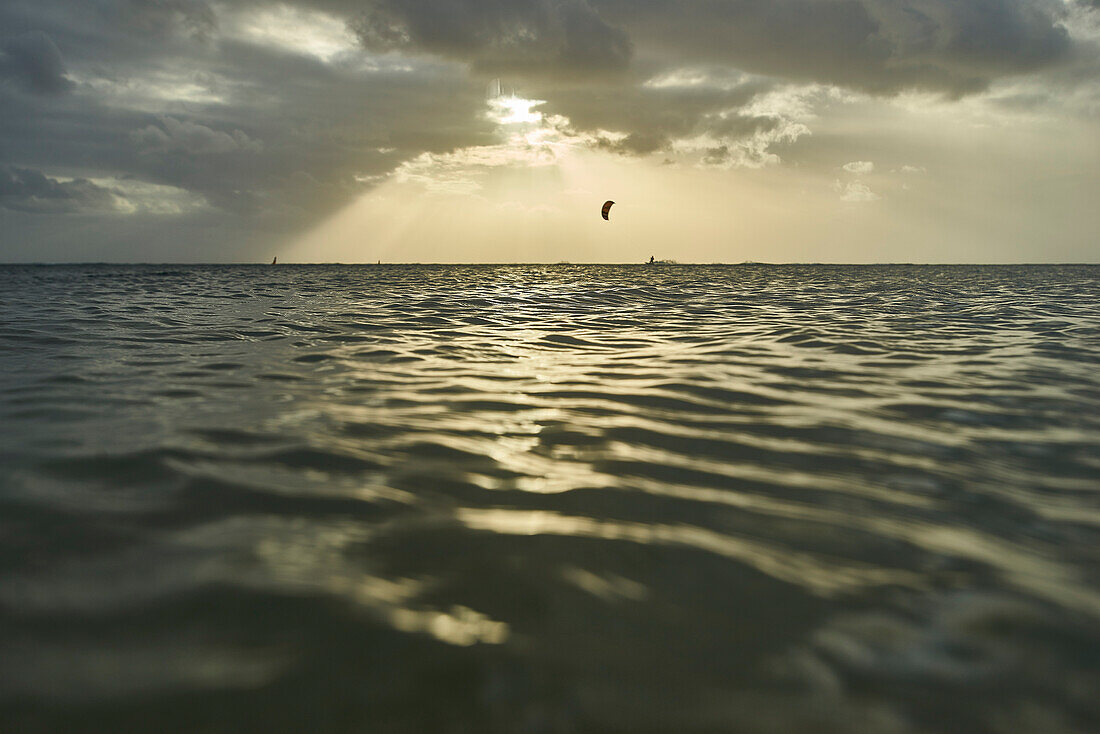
{"points": [[606, 208]]}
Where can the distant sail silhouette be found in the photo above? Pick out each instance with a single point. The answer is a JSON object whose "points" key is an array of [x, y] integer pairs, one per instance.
{"points": [[606, 209], [274, 259]]}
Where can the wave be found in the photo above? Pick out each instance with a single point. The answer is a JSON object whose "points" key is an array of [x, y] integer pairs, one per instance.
{"points": [[524, 498]]}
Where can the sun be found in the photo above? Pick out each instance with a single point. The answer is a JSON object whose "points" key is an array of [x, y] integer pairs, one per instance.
{"points": [[514, 110]]}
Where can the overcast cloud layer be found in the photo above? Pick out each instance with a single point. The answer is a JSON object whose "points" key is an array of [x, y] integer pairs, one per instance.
{"points": [[196, 130]]}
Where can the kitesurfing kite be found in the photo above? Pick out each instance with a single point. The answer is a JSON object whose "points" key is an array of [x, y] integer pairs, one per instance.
{"points": [[606, 208]]}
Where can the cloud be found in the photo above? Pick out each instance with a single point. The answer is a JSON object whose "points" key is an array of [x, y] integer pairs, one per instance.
{"points": [[521, 144], [193, 114], [742, 151], [562, 38], [859, 167], [274, 113], [180, 136], [33, 62], [635, 143], [856, 191], [134, 196], [27, 190], [290, 29], [731, 112], [191, 17], [878, 46]]}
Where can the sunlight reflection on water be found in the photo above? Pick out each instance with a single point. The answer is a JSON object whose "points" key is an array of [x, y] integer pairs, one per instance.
{"points": [[550, 499]]}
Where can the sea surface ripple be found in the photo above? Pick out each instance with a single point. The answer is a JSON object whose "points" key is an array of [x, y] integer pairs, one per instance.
{"points": [[563, 498]]}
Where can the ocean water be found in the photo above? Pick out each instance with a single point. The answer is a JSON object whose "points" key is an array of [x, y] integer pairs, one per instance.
{"points": [[751, 498]]}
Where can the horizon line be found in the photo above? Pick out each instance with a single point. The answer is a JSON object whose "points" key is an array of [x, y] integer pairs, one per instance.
{"points": [[500, 263]]}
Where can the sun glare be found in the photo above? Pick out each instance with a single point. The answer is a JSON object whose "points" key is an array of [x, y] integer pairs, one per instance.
{"points": [[513, 110]]}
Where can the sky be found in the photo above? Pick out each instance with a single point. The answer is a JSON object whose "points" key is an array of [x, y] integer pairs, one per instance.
{"points": [[494, 130]]}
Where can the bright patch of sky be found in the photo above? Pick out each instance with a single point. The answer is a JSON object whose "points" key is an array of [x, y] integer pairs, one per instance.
{"points": [[295, 30], [157, 90], [688, 77], [527, 138], [530, 138], [793, 102], [752, 151], [133, 196], [512, 109]]}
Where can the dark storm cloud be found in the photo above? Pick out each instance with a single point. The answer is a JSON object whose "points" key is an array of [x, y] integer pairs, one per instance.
{"points": [[881, 46], [244, 139], [272, 112], [25, 190], [160, 16], [33, 62], [538, 37], [190, 138]]}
